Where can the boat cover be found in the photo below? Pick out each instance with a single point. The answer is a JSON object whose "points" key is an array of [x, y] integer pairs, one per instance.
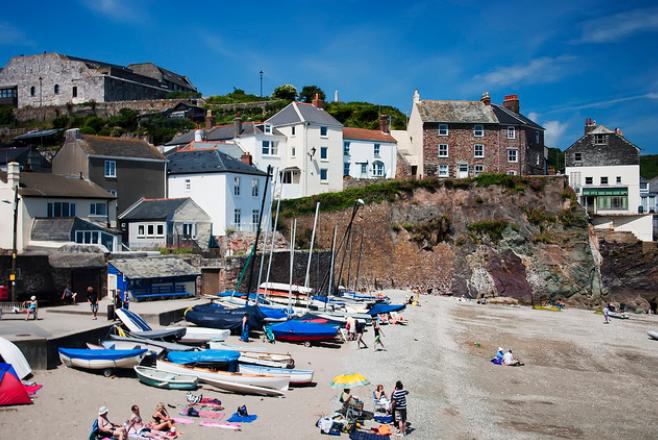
{"points": [[379, 308], [218, 316], [133, 321], [203, 357], [303, 328], [162, 344], [175, 333], [310, 317], [88, 354], [14, 356]]}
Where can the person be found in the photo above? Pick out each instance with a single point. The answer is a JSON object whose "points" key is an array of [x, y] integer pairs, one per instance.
{"points": [[162, 421], [360, 327], [31, 308], [136, 426], [107, 428], [345, 398], [381, 400], [245, 328], [351, 328], [606, 314], [399, 403], [500, 354], [68, 295], [377, 330], [92, 297], [510, 361]]}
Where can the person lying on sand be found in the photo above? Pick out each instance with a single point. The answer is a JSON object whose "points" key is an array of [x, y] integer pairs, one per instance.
{"points": [[510, 361], [107, 428], [136, 426]]}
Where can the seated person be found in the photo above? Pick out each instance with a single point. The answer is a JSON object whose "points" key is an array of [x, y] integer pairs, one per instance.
{"points": [[107, 428], [345, 398], [162, 421], [136, 426], [381, 400], [510, 361], [31, 308]]}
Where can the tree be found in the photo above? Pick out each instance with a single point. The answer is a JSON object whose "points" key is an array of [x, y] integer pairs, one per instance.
{"points": [[285, 91], [308, 93]]}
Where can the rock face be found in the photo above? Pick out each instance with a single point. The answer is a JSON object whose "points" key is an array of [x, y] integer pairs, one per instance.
{"points": [[491, 236]]}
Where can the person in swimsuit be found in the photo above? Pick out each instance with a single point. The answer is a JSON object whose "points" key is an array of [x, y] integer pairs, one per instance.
{"points": [[162, 421]]}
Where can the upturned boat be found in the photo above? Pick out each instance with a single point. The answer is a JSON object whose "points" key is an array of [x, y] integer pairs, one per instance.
{"points": [[164, 379], [100, 359], [302, 331], [297, 377], [258, 356]]}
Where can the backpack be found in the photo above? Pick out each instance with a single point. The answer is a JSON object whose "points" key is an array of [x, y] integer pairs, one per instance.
{"points": [[93, 434], [242, 411]]}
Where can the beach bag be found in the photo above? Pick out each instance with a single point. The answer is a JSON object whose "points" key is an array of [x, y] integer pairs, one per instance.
{"points": [[93, 434], [192, 412], [242, 411]]}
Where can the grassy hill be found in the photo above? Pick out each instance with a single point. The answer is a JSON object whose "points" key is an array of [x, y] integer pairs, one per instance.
{"points": [[649, 166]]}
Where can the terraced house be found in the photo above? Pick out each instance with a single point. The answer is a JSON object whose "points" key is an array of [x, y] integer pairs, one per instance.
{"points": [[467, 138]]}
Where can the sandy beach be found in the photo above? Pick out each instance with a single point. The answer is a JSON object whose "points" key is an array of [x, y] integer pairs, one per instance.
{"points": [[582, 380]]}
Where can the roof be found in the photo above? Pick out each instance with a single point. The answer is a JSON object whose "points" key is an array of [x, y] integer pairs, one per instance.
{"points": [[601, 129], [128, 148], [208, 161], [231, 149], [367, 135], [35, 134], [470, 112], [222, 133], [59, 229], [153, 267], [155, 209], [54, 185], [12, 154], [297, 112]]}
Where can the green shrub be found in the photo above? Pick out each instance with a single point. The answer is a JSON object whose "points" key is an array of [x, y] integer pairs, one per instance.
{"points": [[492, 228], [516, 183], [432, 232], [572, 218], [538, 216], [544, 237]]}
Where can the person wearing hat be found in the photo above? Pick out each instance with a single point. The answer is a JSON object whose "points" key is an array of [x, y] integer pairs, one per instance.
{"points": [[107, 428], [31, 308]]}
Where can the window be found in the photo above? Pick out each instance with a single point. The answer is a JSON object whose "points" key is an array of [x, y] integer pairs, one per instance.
{"points": [[8, 93], [443, 171], [254, 187], [511, 132], [33, 91], [160, 229], [478, 169], [189, 230], [377, 149], [578, 157], [600, 139], [74, 92], [324, 151], [618, 180], [323, 132], [443, 150], [537, 137], [364, 168], [323, 174], [110, 168], [604, 180], [378, 169], [188, 185], [255, 216], [511, 173], [87, 237], [99, 209], [478, 150], [478, 131], [56, 89], [114, 192], [292, 130], [140, 231], [60, 209], [236, 217], [443, 129], [346, 168], [236, 186], [293, 151], [270, 148], [512, 155], [267, 129], [346, 148], [612, 203], [589, 180]]}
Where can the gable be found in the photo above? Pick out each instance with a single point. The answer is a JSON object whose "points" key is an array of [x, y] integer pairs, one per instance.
{"points": [[617, 151]]}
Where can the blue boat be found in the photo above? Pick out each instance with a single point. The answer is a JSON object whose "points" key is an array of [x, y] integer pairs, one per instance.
{"points": [[302, 331], [379, 308], [203, 357], [101, 359]]}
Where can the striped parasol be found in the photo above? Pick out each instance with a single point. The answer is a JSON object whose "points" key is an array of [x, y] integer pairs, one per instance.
{"points": [[349, 381]]}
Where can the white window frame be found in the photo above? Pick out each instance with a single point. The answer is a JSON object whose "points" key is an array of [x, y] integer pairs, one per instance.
{"points": [[516, 155], [591, 180], [377, 150], [478, 169], [618, 180], [537, 137], [141, 230], [443, 130], [93, 209], [578, 157], [363, 169], [511, 172], [255, 215], [378, 173], [267, 128], [292, 131], [600, 139], [346, 169], [326, 131], [255, 187], [444, 170], [447, 150], [110, 168], [188, 185], [475, 151], [478, 130], [269, 148], [324, 150], [607, 180], [293, 151], [511, 132], [192, 230], [236, 185], [326, 175], [237, 216], [346, 148]]}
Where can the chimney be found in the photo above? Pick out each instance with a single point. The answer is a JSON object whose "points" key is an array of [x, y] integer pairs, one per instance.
{"points": [[237, 125], [209, 120], [317, 102], [246, 158], [590, 124], [199, 135], [486, 99], [618, 132], [13, 174], [383, 124], [72, 135], [416, 96], [511, 102]]}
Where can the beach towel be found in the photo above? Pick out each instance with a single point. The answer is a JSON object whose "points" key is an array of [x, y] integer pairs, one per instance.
{"points": [[222, 425], [237, 418], [388, 418], [32, 389], [183, 420], [360, 435]]}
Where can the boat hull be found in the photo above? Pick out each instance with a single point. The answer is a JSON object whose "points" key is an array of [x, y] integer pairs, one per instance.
{"points": [[653, 334], [201, 335], [297, 377], [70, 358], [165, 380]]}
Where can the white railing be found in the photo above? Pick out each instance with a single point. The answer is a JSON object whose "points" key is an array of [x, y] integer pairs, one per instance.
{"points": [[244, 227]]}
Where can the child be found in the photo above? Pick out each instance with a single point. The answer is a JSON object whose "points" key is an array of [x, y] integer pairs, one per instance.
{"points": [[378, 335], [31, 308]]}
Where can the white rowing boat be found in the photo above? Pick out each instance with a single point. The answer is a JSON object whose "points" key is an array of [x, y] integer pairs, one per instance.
{"points": [[164, 379], [297, 377], [263, 358]]}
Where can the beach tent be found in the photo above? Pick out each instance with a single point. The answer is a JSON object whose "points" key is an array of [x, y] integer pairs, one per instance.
{"points": [[12, 391], [13, 355]]}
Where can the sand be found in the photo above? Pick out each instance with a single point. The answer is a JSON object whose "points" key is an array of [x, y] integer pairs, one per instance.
{"points": [[582, 380]]}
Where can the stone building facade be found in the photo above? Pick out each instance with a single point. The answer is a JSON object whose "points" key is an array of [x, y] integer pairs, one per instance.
{"points": [[52, 79]]}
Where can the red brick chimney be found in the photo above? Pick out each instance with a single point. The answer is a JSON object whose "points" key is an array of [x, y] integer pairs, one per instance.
{"points": [[317, 102], [383, 124], [246, 158], [209, 120], [590, 124], [237, 125], [511, 102], [619, 132], [486, 99]]}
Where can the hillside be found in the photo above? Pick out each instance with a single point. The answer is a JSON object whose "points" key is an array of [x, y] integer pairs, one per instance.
{"points": [[649, 166]]}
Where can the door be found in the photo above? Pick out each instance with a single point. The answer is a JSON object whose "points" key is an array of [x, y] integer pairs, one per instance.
{"points": [[462, 170]]}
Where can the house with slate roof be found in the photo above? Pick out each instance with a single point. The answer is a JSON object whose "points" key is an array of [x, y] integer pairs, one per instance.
{"points": [[171, 223], [369, 154], [228, 189], [604, 170], [126, 167], [466, 138]]}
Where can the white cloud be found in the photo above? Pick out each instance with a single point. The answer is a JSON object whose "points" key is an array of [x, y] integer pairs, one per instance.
{"points": [[618, 26], [554, 132], [118, 10], [604, 103], [539, 70], [533, 116]]}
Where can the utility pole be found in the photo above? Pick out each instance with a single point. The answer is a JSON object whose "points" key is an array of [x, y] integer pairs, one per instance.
{"points": [[261, 83]]}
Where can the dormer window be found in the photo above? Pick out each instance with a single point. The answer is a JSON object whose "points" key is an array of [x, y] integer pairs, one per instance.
{"points": [[267, 129], [478, 131], [600, 139], [443, 129]]}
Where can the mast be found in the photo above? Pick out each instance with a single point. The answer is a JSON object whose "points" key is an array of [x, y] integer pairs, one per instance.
{"points": [[330, 288], [269, 263], [293, 233], [267, 233], [260, 220], [310, 253], [358, 262]]}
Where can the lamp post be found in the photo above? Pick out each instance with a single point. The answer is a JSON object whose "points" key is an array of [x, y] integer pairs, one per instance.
{"points": [[12, 274], [261, 83]]}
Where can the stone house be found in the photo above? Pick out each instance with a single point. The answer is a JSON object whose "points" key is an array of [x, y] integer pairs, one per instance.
{"points": [[53, 79], [467, 138], [129, 168], [369, 154], [159, 223]]}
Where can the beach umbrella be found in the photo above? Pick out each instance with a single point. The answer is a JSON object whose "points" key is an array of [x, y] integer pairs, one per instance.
{"points": [[349, 381]]}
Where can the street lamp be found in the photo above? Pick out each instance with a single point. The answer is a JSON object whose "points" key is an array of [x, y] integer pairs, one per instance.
{"points": [[12, 275]]}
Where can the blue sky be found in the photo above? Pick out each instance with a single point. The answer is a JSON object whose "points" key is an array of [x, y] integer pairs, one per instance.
{"points": [[567, 60]]}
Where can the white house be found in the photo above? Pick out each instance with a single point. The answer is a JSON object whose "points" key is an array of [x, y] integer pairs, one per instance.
{"points": [[604, 170], [54, 211], [229, 190], [312, 162], [369, 154]]}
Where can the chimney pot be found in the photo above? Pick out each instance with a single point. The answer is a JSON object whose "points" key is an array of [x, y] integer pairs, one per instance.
{"points": [[13, 174], [72, 135], [486, 99], [416, 97], [237, 125], [383, 124], [590, 124], [209, 120], [317, 102], [619, 132], [246, 158], [199, 135], [511, 102]]}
